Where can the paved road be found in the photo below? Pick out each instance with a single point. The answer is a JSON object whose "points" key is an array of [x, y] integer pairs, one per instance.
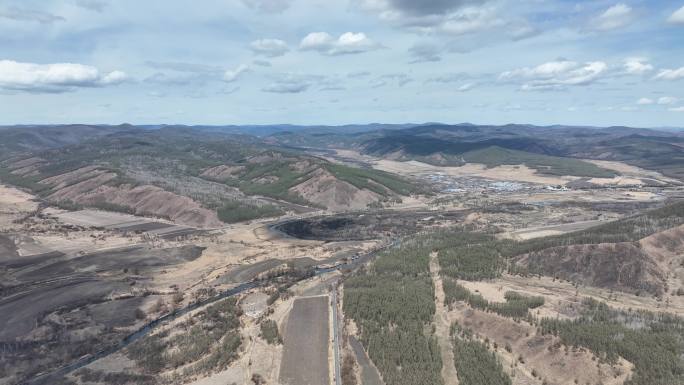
{"points": [[336, 335]]}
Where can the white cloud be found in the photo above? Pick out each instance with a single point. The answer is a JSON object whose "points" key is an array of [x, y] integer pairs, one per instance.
{"points": [[58, 77], [470, 20], [114, 77], [676, 109], [347, 43], [667, 100], [269, 47], [671, 74], [316, 41], [556, 74], [677, 17], [234, 74], [617, 16], [637, 66], [645, 101], [466, 87]]}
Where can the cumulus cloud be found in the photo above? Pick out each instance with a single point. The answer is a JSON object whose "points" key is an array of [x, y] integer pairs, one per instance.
{"points": [[58, 77], [268, 6], [556, 74], [617, 16], [21, 14], [637, 66], [424, 52], [645, 101], [677, 16], [671, 74], [232, 75], [269, 47], [347, 43], [667, 100]]}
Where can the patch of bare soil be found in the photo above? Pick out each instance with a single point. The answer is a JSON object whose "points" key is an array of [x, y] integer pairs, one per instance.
{"points": [[633, 171], [222, 172], [324, 189], [532, 358], [27, 167], [88, 186], [143, 200], [442, 326], [518, 173], [14, 204], [563, 299], [153, 200]]}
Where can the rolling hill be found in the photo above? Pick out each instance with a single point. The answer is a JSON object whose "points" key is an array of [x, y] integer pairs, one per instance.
{"points": [[193, 177], [556, 150]]}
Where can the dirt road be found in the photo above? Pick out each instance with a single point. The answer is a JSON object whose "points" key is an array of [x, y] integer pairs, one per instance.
{"points": [[442, 326]]}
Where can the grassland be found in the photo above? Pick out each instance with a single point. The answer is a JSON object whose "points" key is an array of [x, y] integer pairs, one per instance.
{"points": [[497, 156]]}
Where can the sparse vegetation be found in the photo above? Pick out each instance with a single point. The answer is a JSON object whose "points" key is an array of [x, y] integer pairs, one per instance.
{"points": [[269, 332], [629, 229], [654, 343], [516, 305], [208, 341], [475, 364], [347, 370], [119, 378]]}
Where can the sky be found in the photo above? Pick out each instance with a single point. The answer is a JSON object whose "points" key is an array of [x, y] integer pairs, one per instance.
{"points": [[312, 62]]}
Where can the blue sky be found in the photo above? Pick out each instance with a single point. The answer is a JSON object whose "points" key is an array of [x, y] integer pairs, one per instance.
{"points": [[342, 61]]}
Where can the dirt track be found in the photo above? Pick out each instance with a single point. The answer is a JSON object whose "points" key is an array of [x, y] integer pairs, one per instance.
{"points": [[442, 326]]}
